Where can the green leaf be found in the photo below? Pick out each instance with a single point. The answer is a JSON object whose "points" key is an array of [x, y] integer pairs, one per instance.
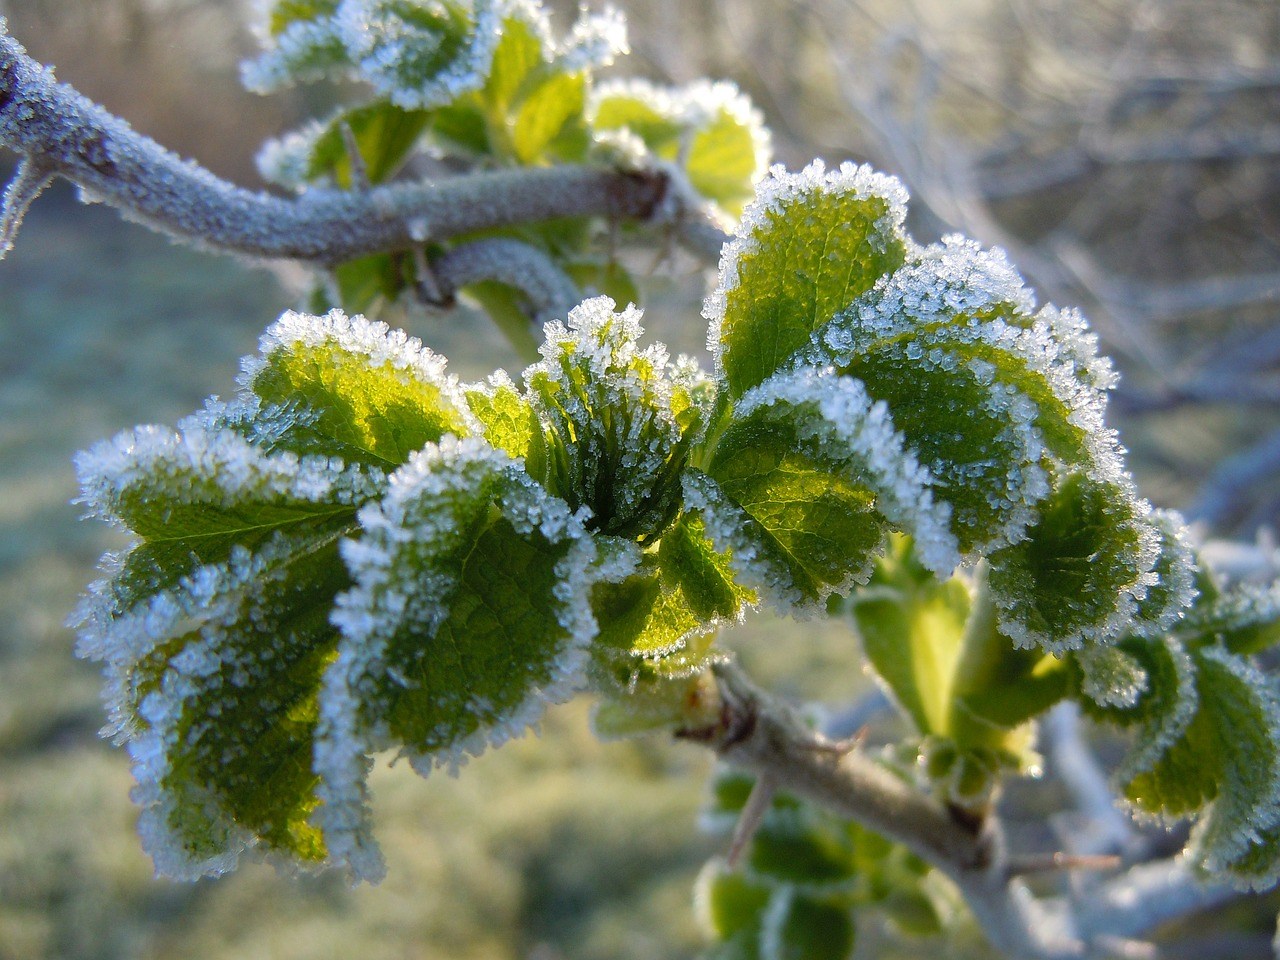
{"points": [[543, 114], [384, 133], [799, 925], [807, 247], [215, 629], [612, 440], [726, 155], [704, 577], [462, 127], [423, 56], [282, 13], [985, 390], [193, 498], [372, 389], [913, 913], [642, 109], [1081, 571], [361, 282], [306, 44], [470, 614], [225, 757], [911, 626], [1225, 766], [640, 617], [806, 480], [507, 420], [1244, 618], [710, 129], [520, 52], [730, 903]]}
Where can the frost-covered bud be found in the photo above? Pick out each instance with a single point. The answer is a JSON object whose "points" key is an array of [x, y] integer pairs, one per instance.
{"points": [[612, 440]]}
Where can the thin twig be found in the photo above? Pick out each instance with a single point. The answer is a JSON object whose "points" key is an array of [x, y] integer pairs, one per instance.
{"points": [[27, 184], [752, 815]]}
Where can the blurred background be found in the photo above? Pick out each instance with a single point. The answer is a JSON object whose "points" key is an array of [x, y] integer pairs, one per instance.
{"points": [[1125, 152]]}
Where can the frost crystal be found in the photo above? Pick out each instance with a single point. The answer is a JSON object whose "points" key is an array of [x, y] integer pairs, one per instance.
{"points": [[614, 444], [857, 434], [447, 647]]}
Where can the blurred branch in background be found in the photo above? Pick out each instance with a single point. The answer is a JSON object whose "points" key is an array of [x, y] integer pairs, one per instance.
{"points": [[1126, 153]]}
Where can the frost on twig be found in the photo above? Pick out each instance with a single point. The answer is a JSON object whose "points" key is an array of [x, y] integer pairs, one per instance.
{"points": [[550, 291], [79, 140], [27, 184]]}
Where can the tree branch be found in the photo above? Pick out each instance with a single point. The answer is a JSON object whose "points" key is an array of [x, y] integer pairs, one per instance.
{"points": [[550, 291], [758, 733], [64, 133]]}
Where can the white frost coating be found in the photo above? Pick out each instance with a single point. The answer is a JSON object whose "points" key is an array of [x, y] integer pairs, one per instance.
{"points": [[379, 344], [1120, 618], [286, 161], [610, 404], [390, 50], [779, 191], [595, 40], [727, 524], [1238, 815], [405, 575], [938, 296], [215, 598], [691, 109], [305, 50], [217, 467], [1112, 677], [1166, 729], [856, 436], [1173, 585]]}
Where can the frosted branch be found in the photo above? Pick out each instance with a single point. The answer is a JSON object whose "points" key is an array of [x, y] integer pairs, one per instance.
{"points": [[758, 733], [1146, 896], [28, 183], [1087, 782], [550, 291], [58, 129]]}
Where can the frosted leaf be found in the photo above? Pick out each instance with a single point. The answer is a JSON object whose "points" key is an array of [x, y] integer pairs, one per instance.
{"points": [[286, 161], [225, 709], [837, 424], [985, 389], [1083, 569], [807, 246], [1243, 706], [709, 134], [421, 53], [1244, 618], [1163, 711], [611, 442], [970, 303], [1112, 677], [192, 498], [471, 612], [376, 392], [507, 419], [1172, 590], [651, 620], [596, 40], [304, 51], [804, 484]]}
